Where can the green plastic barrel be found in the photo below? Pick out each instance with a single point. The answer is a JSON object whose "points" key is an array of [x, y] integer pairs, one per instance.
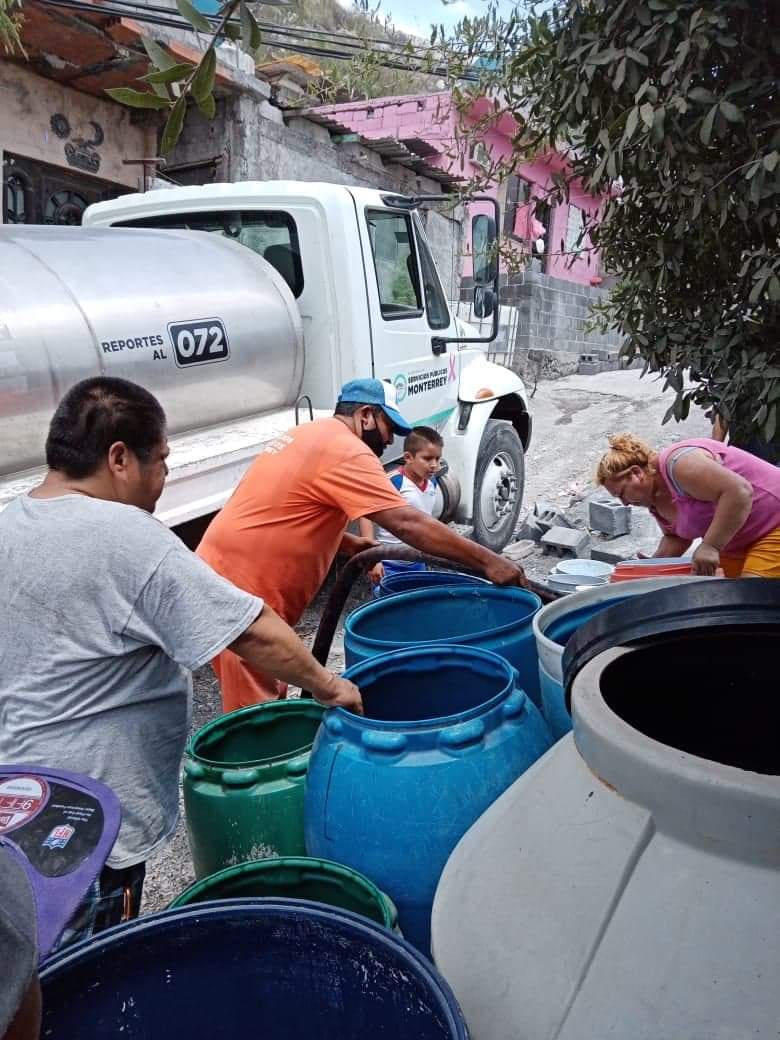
{"points": [[244, 775], [295, 877]]}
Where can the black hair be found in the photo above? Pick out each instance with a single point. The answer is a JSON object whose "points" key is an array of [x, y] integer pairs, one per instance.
{"points": [[420, 436], [347, 408], [350, 407], [96, 413]]}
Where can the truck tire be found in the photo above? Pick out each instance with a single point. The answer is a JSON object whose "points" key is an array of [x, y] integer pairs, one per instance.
{"points": [[498, 485]]}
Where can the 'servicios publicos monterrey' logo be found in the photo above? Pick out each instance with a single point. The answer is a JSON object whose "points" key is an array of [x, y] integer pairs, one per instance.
{"points": [[400, 386]]}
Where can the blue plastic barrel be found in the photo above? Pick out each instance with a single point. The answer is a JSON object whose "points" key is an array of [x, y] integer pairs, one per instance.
{"points": [[410, 580], [446, 730], [277, 969], [483, 616]]}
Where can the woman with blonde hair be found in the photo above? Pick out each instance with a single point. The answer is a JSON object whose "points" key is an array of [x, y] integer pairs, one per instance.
{"points": [[701, 488]]}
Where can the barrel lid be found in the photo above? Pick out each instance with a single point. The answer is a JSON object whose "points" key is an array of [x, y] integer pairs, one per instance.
{"points": [[746, 603]]}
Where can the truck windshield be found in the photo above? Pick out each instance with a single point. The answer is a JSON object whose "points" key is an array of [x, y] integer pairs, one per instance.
{"points": [[270, 234], [398, 281], [435, 303]]}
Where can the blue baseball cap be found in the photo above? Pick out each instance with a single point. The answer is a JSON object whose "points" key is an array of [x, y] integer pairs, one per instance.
{"points": [[379, 393]]}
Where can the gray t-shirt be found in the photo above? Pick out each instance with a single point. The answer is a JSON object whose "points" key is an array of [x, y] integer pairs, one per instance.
{"points": [[103, 613]]}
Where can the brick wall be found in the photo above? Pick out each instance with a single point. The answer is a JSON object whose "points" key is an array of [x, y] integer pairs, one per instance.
{"points": [[543, 323]]}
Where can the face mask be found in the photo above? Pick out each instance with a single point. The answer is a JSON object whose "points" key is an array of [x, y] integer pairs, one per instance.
{"points": [[373, 438]]}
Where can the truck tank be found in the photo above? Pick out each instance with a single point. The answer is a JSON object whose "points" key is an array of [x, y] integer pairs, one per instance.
{"points": [[206, 325]]}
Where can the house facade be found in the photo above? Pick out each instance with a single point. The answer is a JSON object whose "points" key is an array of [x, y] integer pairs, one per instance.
{"points": [[545, 304]]}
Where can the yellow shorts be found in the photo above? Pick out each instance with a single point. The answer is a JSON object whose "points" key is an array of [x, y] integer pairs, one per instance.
{"points": [[762, 560]]}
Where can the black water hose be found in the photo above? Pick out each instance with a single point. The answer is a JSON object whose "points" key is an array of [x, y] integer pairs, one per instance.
{"points": [[363, 561]]}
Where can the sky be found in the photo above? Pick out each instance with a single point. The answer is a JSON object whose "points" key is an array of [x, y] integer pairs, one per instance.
{"points": [[416, 16]]}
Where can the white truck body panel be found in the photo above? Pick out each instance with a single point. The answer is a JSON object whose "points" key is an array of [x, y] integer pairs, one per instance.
{"points": [[370, 304]]}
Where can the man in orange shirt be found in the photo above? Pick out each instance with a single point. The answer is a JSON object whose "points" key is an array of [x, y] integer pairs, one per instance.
{"points": [[279, 533]]}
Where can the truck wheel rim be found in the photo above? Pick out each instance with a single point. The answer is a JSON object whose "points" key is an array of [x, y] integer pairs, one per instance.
{"points": [[498, 493]]}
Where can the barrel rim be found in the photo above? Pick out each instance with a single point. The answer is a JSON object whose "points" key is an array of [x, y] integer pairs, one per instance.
{"points": [[737, 806], [548, 648], [328, 867], [303, 706], [440, 990], [361, 722], [474, 579], [386, 602]]}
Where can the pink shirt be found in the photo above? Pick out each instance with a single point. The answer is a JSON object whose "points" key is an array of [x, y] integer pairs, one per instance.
{"points": [[695, 516]]}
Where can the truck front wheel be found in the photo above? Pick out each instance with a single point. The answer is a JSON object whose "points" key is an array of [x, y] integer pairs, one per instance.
{"points": [[498, 485]]}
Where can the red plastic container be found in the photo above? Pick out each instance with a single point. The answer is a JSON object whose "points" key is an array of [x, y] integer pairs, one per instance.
{"points": [[630, 570]]}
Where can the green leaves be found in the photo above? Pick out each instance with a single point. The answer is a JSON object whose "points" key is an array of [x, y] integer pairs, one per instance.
{"points": [[203, 81], [173, 74], [251, 37], [174, 126], [658, 94], [731, 112], [705, 132], [137, 98], [159, 57], [208, 106], [195, 18]]}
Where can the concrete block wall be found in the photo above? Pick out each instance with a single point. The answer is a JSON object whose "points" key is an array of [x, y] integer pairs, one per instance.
{"points": [[547, 331]]}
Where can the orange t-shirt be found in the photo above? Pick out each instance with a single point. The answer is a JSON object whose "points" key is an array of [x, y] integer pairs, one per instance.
{"points": [[278, 534]]}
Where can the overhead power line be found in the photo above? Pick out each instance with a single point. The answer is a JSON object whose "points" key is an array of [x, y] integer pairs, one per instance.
{"points": [[388, 55]]}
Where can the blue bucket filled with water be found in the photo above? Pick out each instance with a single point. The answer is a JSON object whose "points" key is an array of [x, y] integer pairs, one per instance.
{"points": [[484, 616], [558, 621], [409, 581], [446, 730], [277, 969]]}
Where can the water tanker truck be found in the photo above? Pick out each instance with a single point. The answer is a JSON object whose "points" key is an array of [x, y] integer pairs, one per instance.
{"points": [[243, 308]]}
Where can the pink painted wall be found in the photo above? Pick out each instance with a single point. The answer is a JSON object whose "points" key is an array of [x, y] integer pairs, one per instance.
{"points": [[433, 119]]}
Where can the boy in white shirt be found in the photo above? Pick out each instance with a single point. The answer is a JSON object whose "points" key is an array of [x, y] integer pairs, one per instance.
{"points": [[416, 481]]}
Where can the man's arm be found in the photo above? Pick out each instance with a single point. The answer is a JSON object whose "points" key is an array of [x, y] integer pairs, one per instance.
{"points": [[270, 645], [422, 532], [351, 543]]}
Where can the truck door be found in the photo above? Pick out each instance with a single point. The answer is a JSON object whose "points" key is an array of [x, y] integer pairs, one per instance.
{"points": [[409, 310]]}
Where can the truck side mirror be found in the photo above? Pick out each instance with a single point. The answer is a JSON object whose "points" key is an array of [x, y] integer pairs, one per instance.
{"points": [[484, 249], [484, 301]]}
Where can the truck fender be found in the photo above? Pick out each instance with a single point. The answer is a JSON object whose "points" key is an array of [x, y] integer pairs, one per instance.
{"points": [[466, 426]]}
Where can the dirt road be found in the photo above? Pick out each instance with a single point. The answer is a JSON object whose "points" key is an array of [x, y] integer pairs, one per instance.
{"points": [[571, 420]]}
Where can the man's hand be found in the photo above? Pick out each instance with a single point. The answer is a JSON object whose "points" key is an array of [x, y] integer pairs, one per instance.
{"points": [[339, 693], [352, 544], [376, 573], [501, 571], [706, 560], [415, 528]]}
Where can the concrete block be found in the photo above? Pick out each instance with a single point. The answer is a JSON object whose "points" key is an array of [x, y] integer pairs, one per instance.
{"points": [[607, 556], [610, 517], [566, 539], [520, 550], [546, 516], [529, 530], [586, 368]]}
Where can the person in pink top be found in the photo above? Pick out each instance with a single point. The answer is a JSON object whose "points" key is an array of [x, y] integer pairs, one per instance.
{"points": [[701, 488]]}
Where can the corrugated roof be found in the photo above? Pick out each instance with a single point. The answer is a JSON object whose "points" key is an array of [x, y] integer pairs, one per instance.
{"points": [[411, 152]]}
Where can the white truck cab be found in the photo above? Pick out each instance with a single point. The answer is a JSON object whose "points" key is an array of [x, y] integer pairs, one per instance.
{"points": [[244, 308], [362, 274]]}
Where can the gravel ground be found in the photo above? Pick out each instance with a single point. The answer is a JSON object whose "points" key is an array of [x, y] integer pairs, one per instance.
{"points": [[572, 418]]}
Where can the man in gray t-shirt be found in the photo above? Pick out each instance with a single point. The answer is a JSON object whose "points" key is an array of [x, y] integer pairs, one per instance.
{"points": [[104, 613]]}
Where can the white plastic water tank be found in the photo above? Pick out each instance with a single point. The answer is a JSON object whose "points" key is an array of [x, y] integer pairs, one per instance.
{"points": [[628, 885]]}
